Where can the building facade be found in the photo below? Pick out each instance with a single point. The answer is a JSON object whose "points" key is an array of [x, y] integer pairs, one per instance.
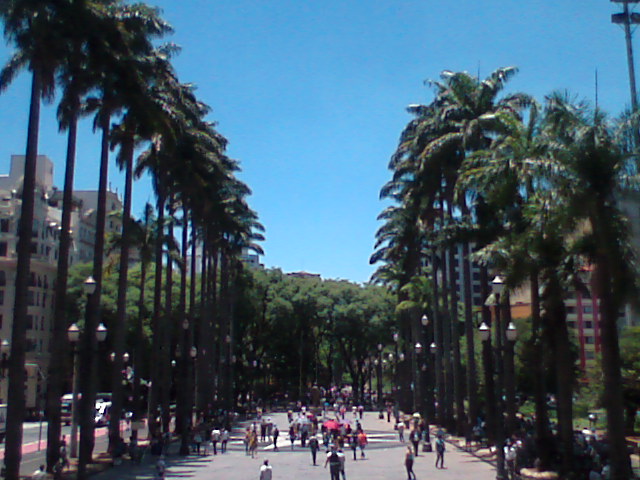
{"points": [[44, 258]]}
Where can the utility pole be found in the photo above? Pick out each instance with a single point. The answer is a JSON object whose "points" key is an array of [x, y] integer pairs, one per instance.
{"points": [[626, 19]]}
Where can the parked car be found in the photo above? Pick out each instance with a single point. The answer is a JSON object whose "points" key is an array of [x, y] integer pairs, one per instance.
{"points": [[103, 410]]}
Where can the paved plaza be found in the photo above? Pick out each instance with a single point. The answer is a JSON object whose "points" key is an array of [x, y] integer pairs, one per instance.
{"points": [[385, 460]]}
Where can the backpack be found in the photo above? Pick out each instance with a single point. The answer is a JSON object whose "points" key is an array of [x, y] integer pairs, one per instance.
{"points": [[440, 445], [334, 459]]}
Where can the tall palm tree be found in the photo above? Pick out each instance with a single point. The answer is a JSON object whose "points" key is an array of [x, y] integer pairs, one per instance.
{"points": [[34, 29], [596, 168], [80, 24]]}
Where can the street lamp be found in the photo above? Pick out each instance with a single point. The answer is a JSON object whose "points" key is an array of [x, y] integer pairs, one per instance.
{"points": [[73, 335], [379, 376]]}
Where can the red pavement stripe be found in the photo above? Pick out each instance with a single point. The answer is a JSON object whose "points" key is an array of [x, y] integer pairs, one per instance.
{"points": [[33, 446]]}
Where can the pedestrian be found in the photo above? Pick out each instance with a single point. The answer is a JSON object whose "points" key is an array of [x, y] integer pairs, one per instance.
{"points": [[353, 444], [266, 471], [39, 474], [224, 438], [314, 446], [275, 432], [440, 451], [400, 428], [292, 435], [408, 464], [414, 436], [215, 438], [342, 458], [63, 458], [333, 460], [161, 467], [362, 442], [253, 443], [247, 438]]}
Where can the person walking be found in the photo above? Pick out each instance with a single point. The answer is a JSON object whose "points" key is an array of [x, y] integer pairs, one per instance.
{"points": [[314, 446], [292, 435], [253, 443], [408, 464], [414, 436], [400, 428], [224, 438], [342, 458], [275, 433], [266, 471], [353, 444], [333, 460], [440, 451], [362, 442], [215, 438]]}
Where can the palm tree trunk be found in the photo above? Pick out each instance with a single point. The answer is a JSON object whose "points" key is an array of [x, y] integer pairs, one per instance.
{"points": [[438, 339], [89, 342], [449, 420], [555, 319], [157, 324], [118, 328], [543, 436], [469, 331], [193, 319], [618, 453], [17, 376], [182, 413], [138, 354], [458, 381], [165, 360], [59, 341], [203, 332], [487, 356]]}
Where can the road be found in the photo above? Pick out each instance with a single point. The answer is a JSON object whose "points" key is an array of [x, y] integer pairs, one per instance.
{"points": [[34, 445]]}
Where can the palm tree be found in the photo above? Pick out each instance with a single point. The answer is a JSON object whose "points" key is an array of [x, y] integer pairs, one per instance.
{"points": [[80, 26], [32, 27], [595, 169]]}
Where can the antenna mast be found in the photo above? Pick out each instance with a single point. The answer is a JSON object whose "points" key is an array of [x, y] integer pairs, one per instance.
{"points": [[626, 19]]}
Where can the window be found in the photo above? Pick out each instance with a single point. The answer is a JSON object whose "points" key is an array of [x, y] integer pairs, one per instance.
{"points": [[587, 309], [588, 324], [590, 355], [32, 279], [571, 324], [571, 309], [3, 249], [4, 225], [1, 297], [44, 300], [3, 278], [31, 298], [34, 248], [1, 320], [29, 322], [589, 340]]}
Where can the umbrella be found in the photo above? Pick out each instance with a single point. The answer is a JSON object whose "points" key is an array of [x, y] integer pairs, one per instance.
{"points": [[331, 425], [416, 415]]}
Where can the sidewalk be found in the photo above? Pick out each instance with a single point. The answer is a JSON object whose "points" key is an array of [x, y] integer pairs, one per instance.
{"points": [[384, 460]]}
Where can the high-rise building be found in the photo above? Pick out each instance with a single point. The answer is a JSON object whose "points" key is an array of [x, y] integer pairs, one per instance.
{"points": [[44, 250]]}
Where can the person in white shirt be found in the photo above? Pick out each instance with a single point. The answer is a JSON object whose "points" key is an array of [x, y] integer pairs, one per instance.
{"points": [[215, 438], [266, 471]]}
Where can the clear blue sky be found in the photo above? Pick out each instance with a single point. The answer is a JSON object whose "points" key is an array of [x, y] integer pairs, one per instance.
{"points": [[312, 96]]}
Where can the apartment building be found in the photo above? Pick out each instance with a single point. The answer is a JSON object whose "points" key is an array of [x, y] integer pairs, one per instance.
{"points": [[44, 250]]}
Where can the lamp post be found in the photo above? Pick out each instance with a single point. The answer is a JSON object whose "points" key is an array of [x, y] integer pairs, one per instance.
{"points": [[504, 340], [73, 335], [379, 372]]}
